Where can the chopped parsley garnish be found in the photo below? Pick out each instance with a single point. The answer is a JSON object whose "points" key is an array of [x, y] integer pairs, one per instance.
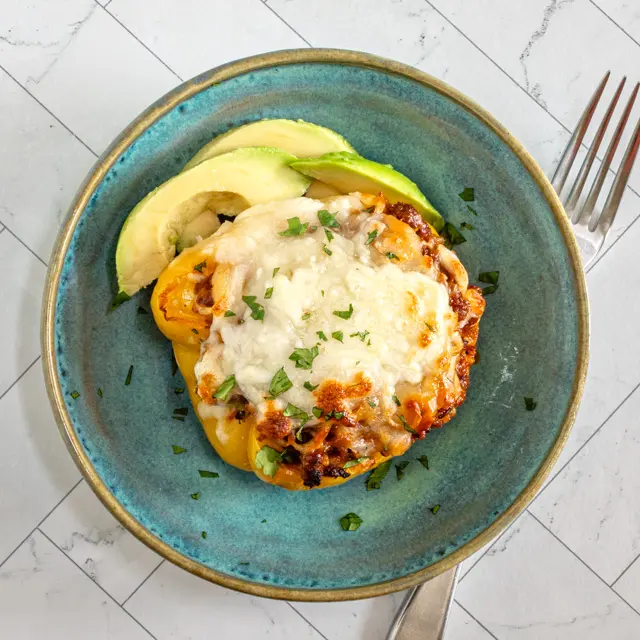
{"points": [[268, 293], [350, 521], [181, 411], [337, 335], [178, 390], [327, 250], [489, 277], [75, 395], [142, 311], [328, 219], [451, 236], [257, 310], [529, 404], [406, 425], [296, 228], [306, 316], [291, 411], [225, 388], [229, 313], [353, 463], [304, 357], [194, 331], [466, 225], [243, 564], [435, 509], [391, 256], [280, 383], [345, 315], [372, 403], [310, 387], [204, 535], [99, 392], [313, 228], [360, 334], [468, 194], [180, 418], [429, 326], [127, 381], [200, 266], [492, 288], [273, 275], [378, 475], [208, 474], [195, 496], [317, 412], [329, 235], [472, 210], [268, 460], [371, 236], [322, 336], [263, 522], [177, 450], [400, 467], [424, 461], [119, 299], [338, 415], [396, 400]]}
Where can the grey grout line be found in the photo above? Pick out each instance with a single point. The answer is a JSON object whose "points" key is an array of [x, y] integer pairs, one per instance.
{"points": [[53, 115], [275, 13], [133, 35], [27, 247], [140, 585], [584, 444], [307, 621], [106, 4], [613, 584], [476, 619], [2, 228], [606, 15], [15, 382], [39, 523], [573, 553], [95, 582]]}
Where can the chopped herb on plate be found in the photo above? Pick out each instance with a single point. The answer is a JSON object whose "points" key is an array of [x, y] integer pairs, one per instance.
{"points": [[204, 535], [466, 225], [391, 256], [329, 235], [321, 335], [228, 313], [119, 299], [127, 381], [396, 400], [177, 450], [280, 383], [424, 461], [142, 311], [268, 460], [492, 288], [317, 412], [472, 210], [353, 463], [406, 425], [195, 496], [328, 219], [345, 315], [178, 390], [306, 316], [208, 474], [310, 387], [200, 266], [181, 411], [296, 228], [435, 509], [371, 236], [337, 335], [451, 236], [489, 277], [378, 475], [304, 357], [257, 310], [194, 331], [350, 521], [360, 334], [529, 404], [75, 395], [273, 275], [268, 293], [327, 250], [225, 388], [468, 194], [400, 467], [99, 392]]}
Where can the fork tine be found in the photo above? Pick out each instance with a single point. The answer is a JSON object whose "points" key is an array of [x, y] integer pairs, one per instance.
{"points": [[596, 188], [617, 190], [569, 154], [578, 186]]}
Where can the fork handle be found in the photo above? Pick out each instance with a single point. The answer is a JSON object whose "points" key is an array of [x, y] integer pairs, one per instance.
{"points": [[423, 613]]}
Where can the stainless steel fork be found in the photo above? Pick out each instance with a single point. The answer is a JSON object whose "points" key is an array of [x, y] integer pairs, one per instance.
{"points": [[423, 614], [590, 224]]}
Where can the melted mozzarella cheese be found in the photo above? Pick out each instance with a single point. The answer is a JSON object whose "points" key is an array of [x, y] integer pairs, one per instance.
{"points": [[383, 337]]}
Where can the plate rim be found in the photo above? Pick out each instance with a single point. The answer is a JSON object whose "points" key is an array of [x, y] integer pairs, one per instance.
{"points": [[97, 173]]}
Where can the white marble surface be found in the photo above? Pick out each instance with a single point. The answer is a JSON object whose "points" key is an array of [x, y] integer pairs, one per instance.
{"points": [[72, 74]]}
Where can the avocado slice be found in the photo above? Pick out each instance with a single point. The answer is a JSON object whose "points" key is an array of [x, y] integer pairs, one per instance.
{"points": [[228, 184], [350, 172], [302, 139]]}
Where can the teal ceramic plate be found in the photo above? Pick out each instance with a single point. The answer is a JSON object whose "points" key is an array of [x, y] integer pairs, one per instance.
{"points": [[484, 466]]}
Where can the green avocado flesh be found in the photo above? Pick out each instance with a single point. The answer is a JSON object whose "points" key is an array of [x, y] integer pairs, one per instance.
{"points": [[350, 172], [300, 138], [228, 183]]}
